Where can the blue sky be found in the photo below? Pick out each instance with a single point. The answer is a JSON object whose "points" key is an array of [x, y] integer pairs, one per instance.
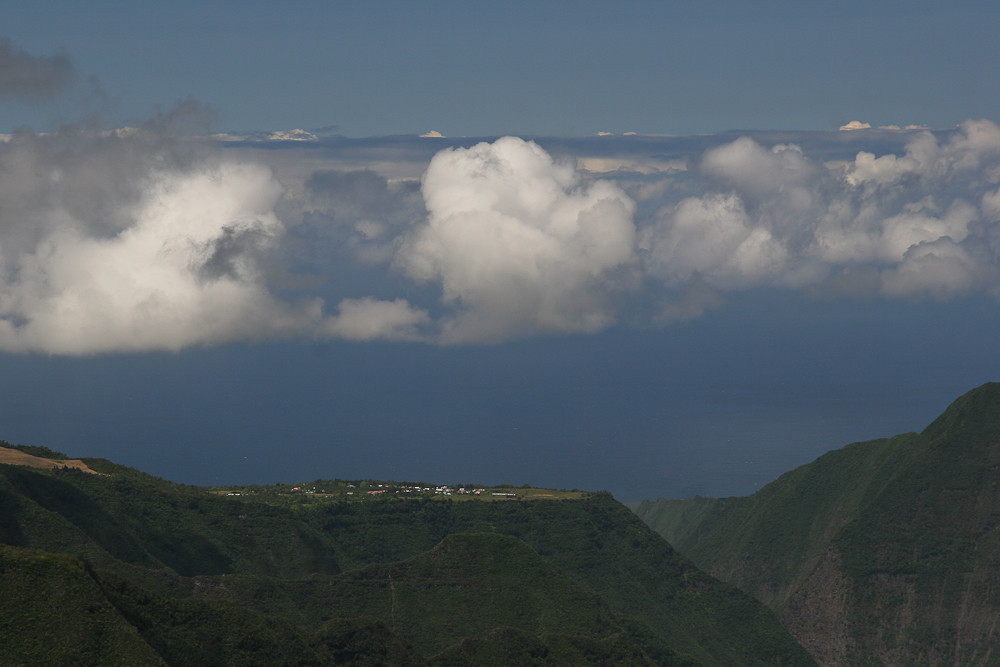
{"points": [[551, 68], [747, 281]]}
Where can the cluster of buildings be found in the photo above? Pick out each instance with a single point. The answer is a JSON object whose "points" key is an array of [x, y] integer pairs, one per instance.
{"points": [[438, 490], [375, 489], [443, 490]]}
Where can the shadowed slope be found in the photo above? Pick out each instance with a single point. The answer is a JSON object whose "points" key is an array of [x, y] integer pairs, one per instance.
{"points": [[888, 549]]}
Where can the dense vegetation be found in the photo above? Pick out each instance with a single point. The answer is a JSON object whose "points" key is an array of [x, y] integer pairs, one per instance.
{"points": [[124, 568], [886, 552]]}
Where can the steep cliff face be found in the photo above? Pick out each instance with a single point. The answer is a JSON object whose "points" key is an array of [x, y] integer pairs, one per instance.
{"points": [[924, 554], [891, 619], [884, 552], [817, 615]]}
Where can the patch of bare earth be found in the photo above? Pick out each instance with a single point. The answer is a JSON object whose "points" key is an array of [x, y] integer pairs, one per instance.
{"points": [[19, 458]]}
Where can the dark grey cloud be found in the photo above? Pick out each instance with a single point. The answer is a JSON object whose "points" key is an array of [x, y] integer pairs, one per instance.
{"points": [[351, 195], [32, 78], [358, 214], [233, 252]]}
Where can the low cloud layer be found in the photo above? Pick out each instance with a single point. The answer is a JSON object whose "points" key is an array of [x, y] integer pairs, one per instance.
{"points": [[147, 238], [922, 223]]}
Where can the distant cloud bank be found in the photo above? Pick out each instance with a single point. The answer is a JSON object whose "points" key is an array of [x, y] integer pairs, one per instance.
{"points": [[915, 224], [163, 237], [141, 240]]}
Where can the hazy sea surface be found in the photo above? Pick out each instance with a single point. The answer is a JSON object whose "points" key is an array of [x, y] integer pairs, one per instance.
{"points": [[717, 406]]}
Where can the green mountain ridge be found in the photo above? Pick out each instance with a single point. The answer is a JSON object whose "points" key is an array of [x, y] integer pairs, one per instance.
{"points": [[152, 572], [882, 552]]}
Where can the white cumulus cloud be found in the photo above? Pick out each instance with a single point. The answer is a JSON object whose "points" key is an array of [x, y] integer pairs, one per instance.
{"points": [[924, 222], [940, 268], [518, 243], [713, 239], [182, 272]]}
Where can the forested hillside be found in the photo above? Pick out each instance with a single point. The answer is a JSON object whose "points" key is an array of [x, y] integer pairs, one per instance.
{"points": [[124, 568], [885, 551]]}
